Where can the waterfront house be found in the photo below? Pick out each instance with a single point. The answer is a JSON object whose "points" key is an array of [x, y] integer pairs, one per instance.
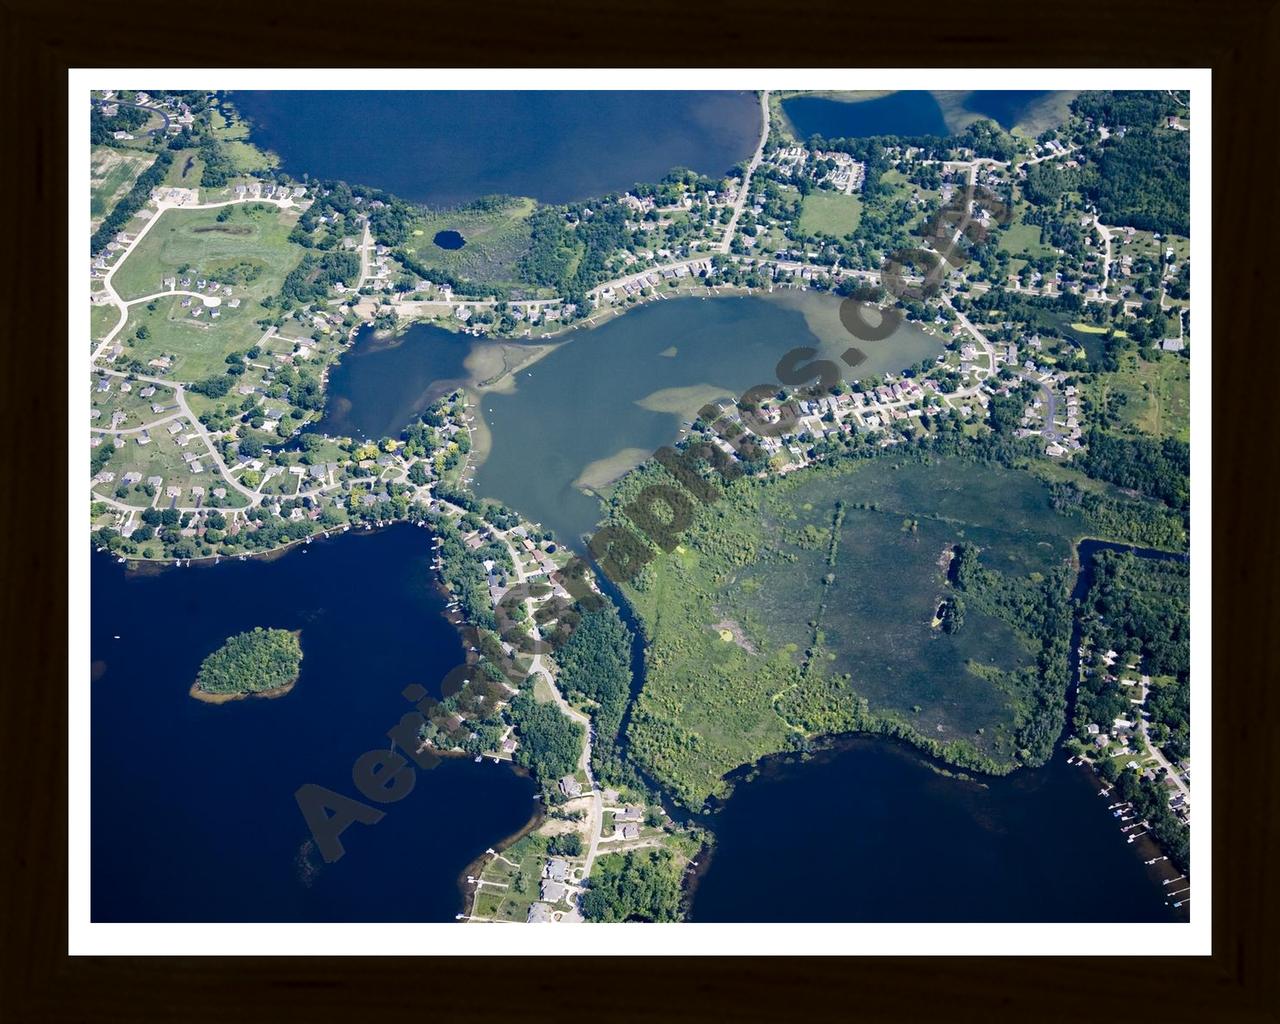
{"points": [[570, 787], [553, 892], [557, 869]]}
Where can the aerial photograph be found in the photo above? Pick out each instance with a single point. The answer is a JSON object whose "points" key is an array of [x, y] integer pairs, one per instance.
{"points": [[574, 506]]}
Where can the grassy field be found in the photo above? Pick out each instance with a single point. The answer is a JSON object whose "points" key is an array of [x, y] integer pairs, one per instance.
{"points": [[495, 241], [250, 250], [1151, 397], [112, 173], [249, 253], [830, 213], [1020, 239], [186, 170], [832, 614], [198, 347], [101, 320]]}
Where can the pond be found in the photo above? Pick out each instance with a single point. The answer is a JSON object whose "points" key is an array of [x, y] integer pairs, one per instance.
{"points": [[449, 240]]}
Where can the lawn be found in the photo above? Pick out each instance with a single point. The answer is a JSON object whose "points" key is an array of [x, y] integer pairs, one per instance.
{"points": [[162, 457], [517, 887], [495, 241], [137, 410], [1020, 239], [112, 173], [830, 213]]}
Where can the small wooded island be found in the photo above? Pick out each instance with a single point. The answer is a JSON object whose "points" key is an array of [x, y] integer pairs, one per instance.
{"points": [[259, 663]]}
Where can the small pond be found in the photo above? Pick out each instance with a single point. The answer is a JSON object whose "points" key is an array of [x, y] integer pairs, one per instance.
{"points": [[449, 240]]}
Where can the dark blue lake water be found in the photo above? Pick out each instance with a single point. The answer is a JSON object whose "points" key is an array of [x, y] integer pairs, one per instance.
{"points": [[868, 832], [381, 384], [446, 148], [194, 814], [909, 113], [905, 113], [1004, 106]]}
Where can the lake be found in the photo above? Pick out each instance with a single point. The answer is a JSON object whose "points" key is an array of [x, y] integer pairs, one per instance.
{"points": [[1004, 106], [447, 148], [912, 113], [867, 831], [906, 113], [194, 815], [381, 384], [605, 400]]}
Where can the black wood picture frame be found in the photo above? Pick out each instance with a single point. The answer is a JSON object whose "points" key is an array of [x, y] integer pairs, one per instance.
{"points": [[1236, 38]]}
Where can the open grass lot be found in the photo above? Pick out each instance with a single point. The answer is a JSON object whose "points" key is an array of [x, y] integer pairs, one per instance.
{"points": [[1020, 239], [1150, 397], [186, 170], [495, 241], [198, 346], [250, 251], [834, 615], [112, 173], [830, 213], [101, 320]]}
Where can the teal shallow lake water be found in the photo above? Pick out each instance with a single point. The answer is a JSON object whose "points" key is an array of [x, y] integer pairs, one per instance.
{"points": [[603, 402]]}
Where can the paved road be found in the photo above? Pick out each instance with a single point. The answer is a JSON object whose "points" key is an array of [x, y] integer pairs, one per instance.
{"points": [[741, 201]]}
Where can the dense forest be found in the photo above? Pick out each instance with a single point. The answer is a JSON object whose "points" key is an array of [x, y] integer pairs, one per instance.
{"points": [[252, 662], [1144, 181], [1143, 171], [1142, 607], [570, 246], [639, 885], [1160, 469], [595, 663], [550, 742]]}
